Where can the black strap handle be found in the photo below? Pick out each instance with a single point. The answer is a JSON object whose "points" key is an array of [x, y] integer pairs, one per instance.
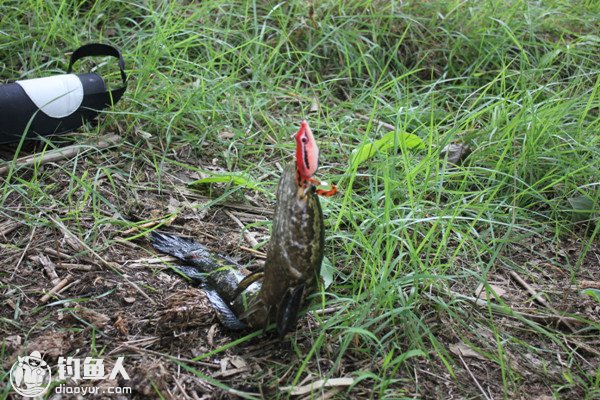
{"points": [[100, 49]]}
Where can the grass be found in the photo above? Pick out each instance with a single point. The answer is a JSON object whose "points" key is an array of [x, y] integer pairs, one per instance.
{"points": [[222, 86]]}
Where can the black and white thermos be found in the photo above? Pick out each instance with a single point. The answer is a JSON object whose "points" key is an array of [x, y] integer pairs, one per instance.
{"points": [[57, 104]]}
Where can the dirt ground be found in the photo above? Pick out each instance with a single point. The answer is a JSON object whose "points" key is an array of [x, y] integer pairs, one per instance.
{"points": [[123, 300]]}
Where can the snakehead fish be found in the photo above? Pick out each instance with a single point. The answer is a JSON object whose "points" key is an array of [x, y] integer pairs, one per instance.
{"points": [[294, 254]]}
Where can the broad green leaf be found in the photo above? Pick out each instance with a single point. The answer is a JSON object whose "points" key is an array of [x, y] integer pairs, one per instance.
{"points": [[390, 140], [235, 179], [583, 208]]}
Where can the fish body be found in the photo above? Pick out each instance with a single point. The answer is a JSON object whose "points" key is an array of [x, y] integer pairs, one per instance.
{"points": [[294, 256], [291, 271]]}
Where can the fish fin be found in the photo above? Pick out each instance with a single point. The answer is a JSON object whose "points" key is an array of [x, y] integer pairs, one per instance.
{"points": [[247, 281], [287, 313]]}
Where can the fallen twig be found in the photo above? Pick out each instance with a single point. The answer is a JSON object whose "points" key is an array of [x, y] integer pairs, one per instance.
{"points": [[55, 289], [60, 154], [321, 383], [56, 253], [150, 224], [112, 266], [251, 241], [70, 285], [539, 297], [7, 227], [536, 296], [474, 379], [24, 251], [590, 284], [381, 124], [49, 268], [139, 289], [326, 311], [70, 235], [75, 267], [257, 253], [181, 389], [510, 312], [325, 396]]}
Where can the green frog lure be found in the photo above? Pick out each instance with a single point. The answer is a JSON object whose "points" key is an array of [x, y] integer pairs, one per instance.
{"points": [[278, 292]]}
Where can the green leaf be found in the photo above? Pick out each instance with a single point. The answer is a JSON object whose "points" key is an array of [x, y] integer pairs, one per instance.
{"points": [[327, 270], [583, 208], [409, 354], [391, 140], [235, 179], [594, 293], [362, 154]]}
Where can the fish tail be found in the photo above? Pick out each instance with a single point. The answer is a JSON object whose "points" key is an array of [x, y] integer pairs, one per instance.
{"points": [[174, 245], [224, 312]]}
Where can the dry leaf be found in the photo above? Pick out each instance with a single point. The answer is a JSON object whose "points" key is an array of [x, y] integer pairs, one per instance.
{"points": [[173, 205], [95, 318], [461, 349], [481, 292], [238, 362], [230, 372], [456, 152], [52, 344], [211, 335], [121, 326], [226, 135], [321, 383], [13, 342], [223, 363], [314, 106]]}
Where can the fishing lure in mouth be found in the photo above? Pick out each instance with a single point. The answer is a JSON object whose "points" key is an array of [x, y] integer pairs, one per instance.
{"points": [[307, 161]]}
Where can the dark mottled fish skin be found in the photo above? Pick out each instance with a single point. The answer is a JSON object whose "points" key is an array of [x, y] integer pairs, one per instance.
{"points": [[294, 255]]}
